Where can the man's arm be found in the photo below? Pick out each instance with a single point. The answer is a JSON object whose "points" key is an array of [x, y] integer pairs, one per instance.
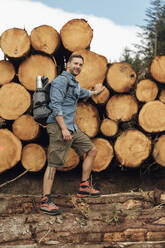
{"points": [[65, 132]]}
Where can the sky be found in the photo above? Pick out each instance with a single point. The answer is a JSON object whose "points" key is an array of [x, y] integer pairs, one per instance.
{"points": [[115, 23]]}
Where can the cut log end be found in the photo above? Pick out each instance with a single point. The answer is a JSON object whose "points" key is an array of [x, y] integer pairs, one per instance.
{"points": [[109, 127], [33, 157], [132, 147], [146, 90], [7, 72]]}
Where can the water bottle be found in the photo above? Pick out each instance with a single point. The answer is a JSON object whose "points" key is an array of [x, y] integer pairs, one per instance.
{"points": [[39, 82]]}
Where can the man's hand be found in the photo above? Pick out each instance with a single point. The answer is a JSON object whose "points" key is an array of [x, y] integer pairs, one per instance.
{"points": [[66, 134], [99, 88]]}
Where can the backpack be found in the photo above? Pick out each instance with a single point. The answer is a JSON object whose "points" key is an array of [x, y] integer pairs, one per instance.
{"points": [[41, 99]]}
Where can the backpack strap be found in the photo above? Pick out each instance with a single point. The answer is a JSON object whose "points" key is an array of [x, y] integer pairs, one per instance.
{"points": [[68, 85]]}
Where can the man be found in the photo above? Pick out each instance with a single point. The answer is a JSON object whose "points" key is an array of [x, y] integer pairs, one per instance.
{"points": [[64, 133]]}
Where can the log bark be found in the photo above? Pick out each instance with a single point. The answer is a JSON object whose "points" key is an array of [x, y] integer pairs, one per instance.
{"points": [[132, 147], [10, 150], [15, 43], [72, 160], [76, 34], [33, 157], [108, 127], [25, 128], [15, 100], [87, 119], [157, 69], [45, 38], [121, 107], [33, 66], [104, 155], [7, 72], [134, 220], [120, 77], [158, 150], [146, 90], [152, 116], [94, 69]]}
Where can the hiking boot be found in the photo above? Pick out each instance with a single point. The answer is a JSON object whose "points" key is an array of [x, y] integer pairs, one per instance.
{"points": [[87, 191], [48, 207]]}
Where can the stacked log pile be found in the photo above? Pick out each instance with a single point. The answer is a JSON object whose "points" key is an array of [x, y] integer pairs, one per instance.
{"points": [[126, 121]]}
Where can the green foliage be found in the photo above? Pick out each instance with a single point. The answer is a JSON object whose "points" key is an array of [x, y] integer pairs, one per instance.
{"points": [[152, 41]]}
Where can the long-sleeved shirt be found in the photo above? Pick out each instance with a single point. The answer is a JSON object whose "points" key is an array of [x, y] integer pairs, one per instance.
{"points": [[64, 102]]}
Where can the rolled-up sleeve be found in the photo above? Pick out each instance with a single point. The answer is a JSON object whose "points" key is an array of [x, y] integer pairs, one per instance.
{"points": [[57, 94], [85, 93]]}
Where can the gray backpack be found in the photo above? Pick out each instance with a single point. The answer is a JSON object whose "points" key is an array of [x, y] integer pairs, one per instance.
{"points": [[41, 99]]}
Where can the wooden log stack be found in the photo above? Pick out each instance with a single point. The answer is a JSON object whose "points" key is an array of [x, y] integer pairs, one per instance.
{"points": [[125, 121]]}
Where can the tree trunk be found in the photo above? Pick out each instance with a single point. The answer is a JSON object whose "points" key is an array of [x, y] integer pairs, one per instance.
{"points": [[87, 119], [10, 150], [25, 128], [76, 34], [146, 90], [94, 69], [33, 157], [109, 127], [33, 66], [157, 68], [152, 116], [7, 72], [15, 43], [14, 101], [45, 38], [72, 160], [121, 107], [158, 151], [132, 147], [120, 77], [104, 155], [134, 220]]}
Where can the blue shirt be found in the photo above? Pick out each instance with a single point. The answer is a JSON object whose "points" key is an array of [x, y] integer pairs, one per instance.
{"points": [[64, 103]]}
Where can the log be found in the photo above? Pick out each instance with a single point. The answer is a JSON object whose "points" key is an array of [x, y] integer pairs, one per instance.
{"points": [[15, 43], [104, 155], [108, 127], [157, 69], [33, 66], [87, 119], [72, 160], [133, 220], [158, 150], [7, 72], [45, 38], [146, 90], [33, 157], [93, 70], [10, 150], [15, 100], [102, 98], [76, 34], [120, 77], [25, 128], [162, 95], [132, 147], [121, 107], [152, 116]]}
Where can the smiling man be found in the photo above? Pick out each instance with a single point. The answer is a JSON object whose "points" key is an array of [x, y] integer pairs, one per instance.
{"points": [[64, 133]]}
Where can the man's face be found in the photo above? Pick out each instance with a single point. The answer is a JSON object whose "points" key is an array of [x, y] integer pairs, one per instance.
{"points": [[75, 66]]}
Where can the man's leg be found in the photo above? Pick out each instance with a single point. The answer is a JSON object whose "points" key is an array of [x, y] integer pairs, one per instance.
{"points": [[47, 205], [87, 164], [48, 180]]}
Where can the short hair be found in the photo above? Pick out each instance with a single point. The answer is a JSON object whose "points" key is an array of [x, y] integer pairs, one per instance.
{"points": [[75, 56]]}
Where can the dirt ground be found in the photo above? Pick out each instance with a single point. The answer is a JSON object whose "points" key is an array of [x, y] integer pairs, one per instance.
{"points": [[112, 180]]}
